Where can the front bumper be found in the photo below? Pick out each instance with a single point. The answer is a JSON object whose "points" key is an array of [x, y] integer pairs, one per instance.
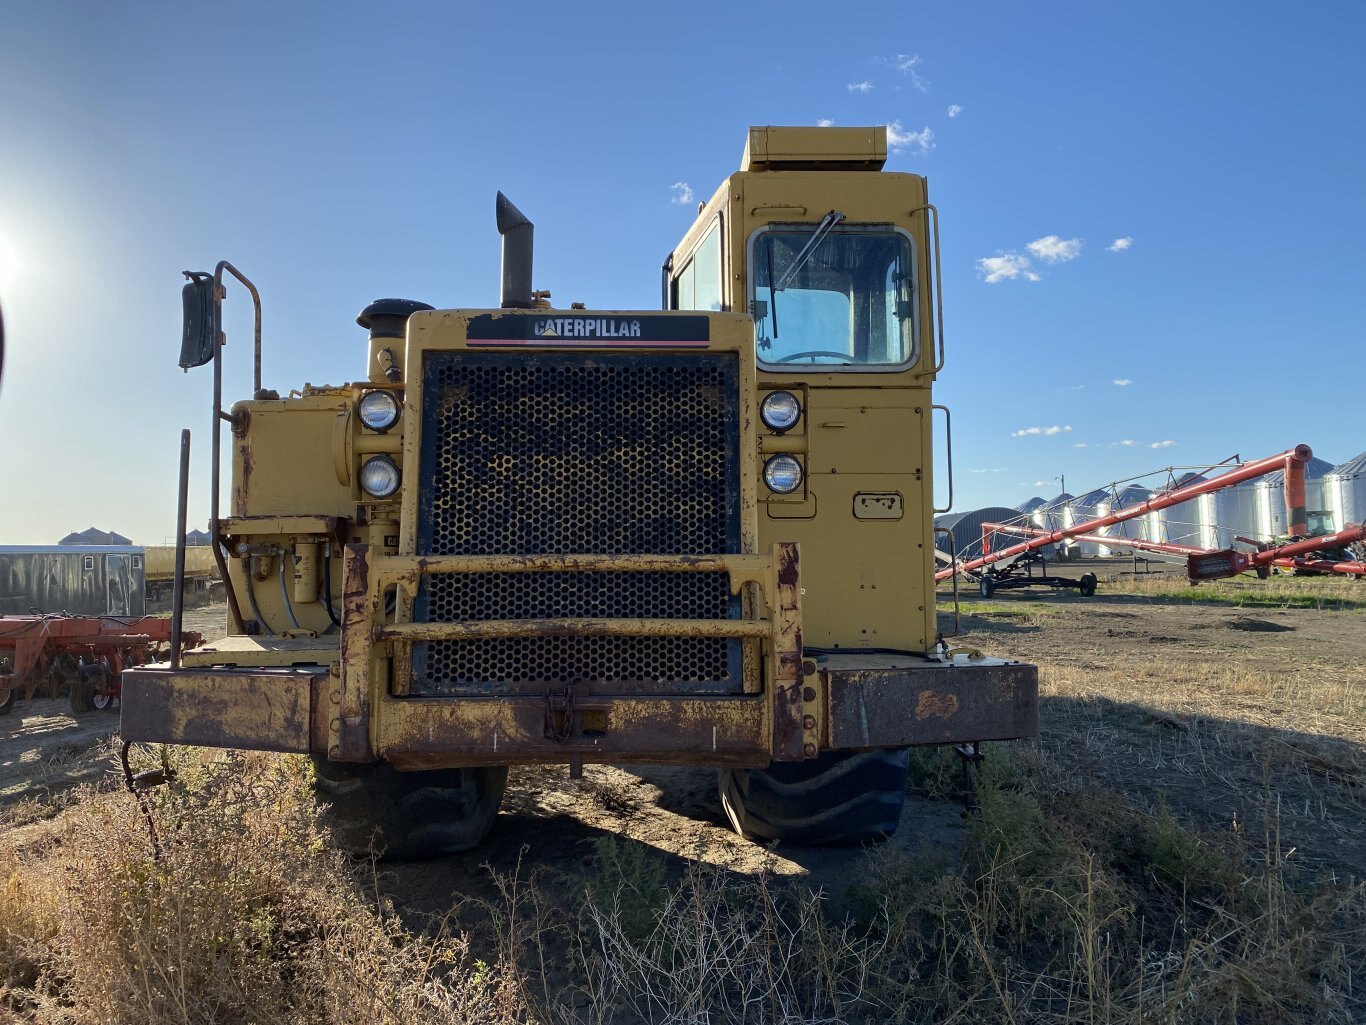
{"points": [[866, 705], [793, 706]]}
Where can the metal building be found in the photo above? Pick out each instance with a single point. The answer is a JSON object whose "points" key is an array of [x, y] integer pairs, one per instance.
{"points": [[1030, 506], [1055, 514], [1269, 496], [1088, 507], [1227, 514], [1344, 492], [84, 580], [966, 528], [1177, 524]]}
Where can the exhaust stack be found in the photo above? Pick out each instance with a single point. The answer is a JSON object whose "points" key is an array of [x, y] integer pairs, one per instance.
{"points": [[517, 247]]}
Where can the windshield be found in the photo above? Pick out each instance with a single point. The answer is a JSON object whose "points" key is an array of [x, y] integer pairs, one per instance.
{"points": [[848, 302]]}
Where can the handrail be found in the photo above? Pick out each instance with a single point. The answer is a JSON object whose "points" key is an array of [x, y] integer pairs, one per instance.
{"points": [[948, 442], [937, 304], [220, 339]]}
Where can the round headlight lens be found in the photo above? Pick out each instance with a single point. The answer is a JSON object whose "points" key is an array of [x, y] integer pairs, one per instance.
{"points": [[379, 477], [780, 411], [783, 475], [378, 410]]}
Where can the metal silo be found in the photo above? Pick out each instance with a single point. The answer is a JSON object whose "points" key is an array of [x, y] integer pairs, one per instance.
{"points": [[1055, 514], [1269, 497], [1088, 507], [1226, 514], [1133, 494], [1030, 506], [1344, 492], [1177, 524]]}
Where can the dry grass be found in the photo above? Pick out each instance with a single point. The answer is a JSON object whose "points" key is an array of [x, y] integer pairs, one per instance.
{"points": [[1161, 856], [1280, 591], [1070, 906], [247, 915]]}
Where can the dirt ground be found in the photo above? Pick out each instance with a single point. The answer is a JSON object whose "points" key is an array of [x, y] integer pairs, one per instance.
{"points": [[1242, 719]]}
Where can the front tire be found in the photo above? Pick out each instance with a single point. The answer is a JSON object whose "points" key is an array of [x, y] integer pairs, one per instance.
{"points": [[840, 797], [408, 816]]}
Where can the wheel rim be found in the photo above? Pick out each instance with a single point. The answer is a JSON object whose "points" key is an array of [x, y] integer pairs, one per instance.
{"points": [[102, 701]]}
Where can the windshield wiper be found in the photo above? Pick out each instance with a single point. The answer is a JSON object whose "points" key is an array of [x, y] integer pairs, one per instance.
{"points": [[828, 222], [772, 297]]}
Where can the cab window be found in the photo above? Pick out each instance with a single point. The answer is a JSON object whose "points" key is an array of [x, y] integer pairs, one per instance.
{"points": [[698, 284], [845, 302]]}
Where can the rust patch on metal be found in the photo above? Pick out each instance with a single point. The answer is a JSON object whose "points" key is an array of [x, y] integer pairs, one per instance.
{"points": [[932, 705], [791, 740], [788, 572], [353, 738], [357, 571], [242, 487], [928, 702]]}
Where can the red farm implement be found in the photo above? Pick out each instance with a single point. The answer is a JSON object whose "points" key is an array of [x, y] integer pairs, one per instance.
{"points": [[82, 655], [1015, 565]]}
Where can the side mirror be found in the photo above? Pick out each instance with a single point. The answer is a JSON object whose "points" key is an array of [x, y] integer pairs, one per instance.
{"points": [[199, 337]]}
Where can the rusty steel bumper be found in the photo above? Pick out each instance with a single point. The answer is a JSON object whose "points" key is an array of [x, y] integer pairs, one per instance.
{"points": [[793, 706], [865, 705]]}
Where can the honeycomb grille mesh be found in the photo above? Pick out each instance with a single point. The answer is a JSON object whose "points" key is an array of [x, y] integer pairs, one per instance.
{"points": [[559, 453]]}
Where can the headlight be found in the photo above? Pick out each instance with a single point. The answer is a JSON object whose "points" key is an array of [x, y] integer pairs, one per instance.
{"points": [[378, 410], [780, 411], [379, 477], [783, 475]]}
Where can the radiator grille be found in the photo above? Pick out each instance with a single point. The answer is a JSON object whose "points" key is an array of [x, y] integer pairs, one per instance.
{"points": [[610, 454]]}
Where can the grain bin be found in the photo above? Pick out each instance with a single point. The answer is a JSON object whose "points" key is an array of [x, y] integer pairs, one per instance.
{"points": [[1344, 492], [1269, 497]]}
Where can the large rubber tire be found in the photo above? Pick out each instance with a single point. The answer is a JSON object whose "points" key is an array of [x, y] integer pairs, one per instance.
{"points": [[408, 816], [1087, 585], [987, 585], [840, 797], [8, 696]]}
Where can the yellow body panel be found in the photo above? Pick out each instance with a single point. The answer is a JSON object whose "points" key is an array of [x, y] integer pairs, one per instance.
{"points": [[867, 582]]}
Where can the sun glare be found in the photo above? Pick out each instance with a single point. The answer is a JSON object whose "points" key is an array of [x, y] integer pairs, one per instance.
{"points": [[9, 263]]}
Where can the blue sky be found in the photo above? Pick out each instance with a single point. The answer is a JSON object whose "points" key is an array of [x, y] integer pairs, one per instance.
{"points": [[341, 152]]}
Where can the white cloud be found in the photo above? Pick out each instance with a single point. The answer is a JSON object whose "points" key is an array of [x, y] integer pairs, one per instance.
{"points": [[906, 64], [1040, 484], [1119, 245], [898, 140], [1052, 249], [1047, 432], [1123, 382], [1162, 444], [1005, 267], [1081, 444], [954, 110], [682, 193], [994, 469], [824, 122], [1127, 443], [860, 87]]}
